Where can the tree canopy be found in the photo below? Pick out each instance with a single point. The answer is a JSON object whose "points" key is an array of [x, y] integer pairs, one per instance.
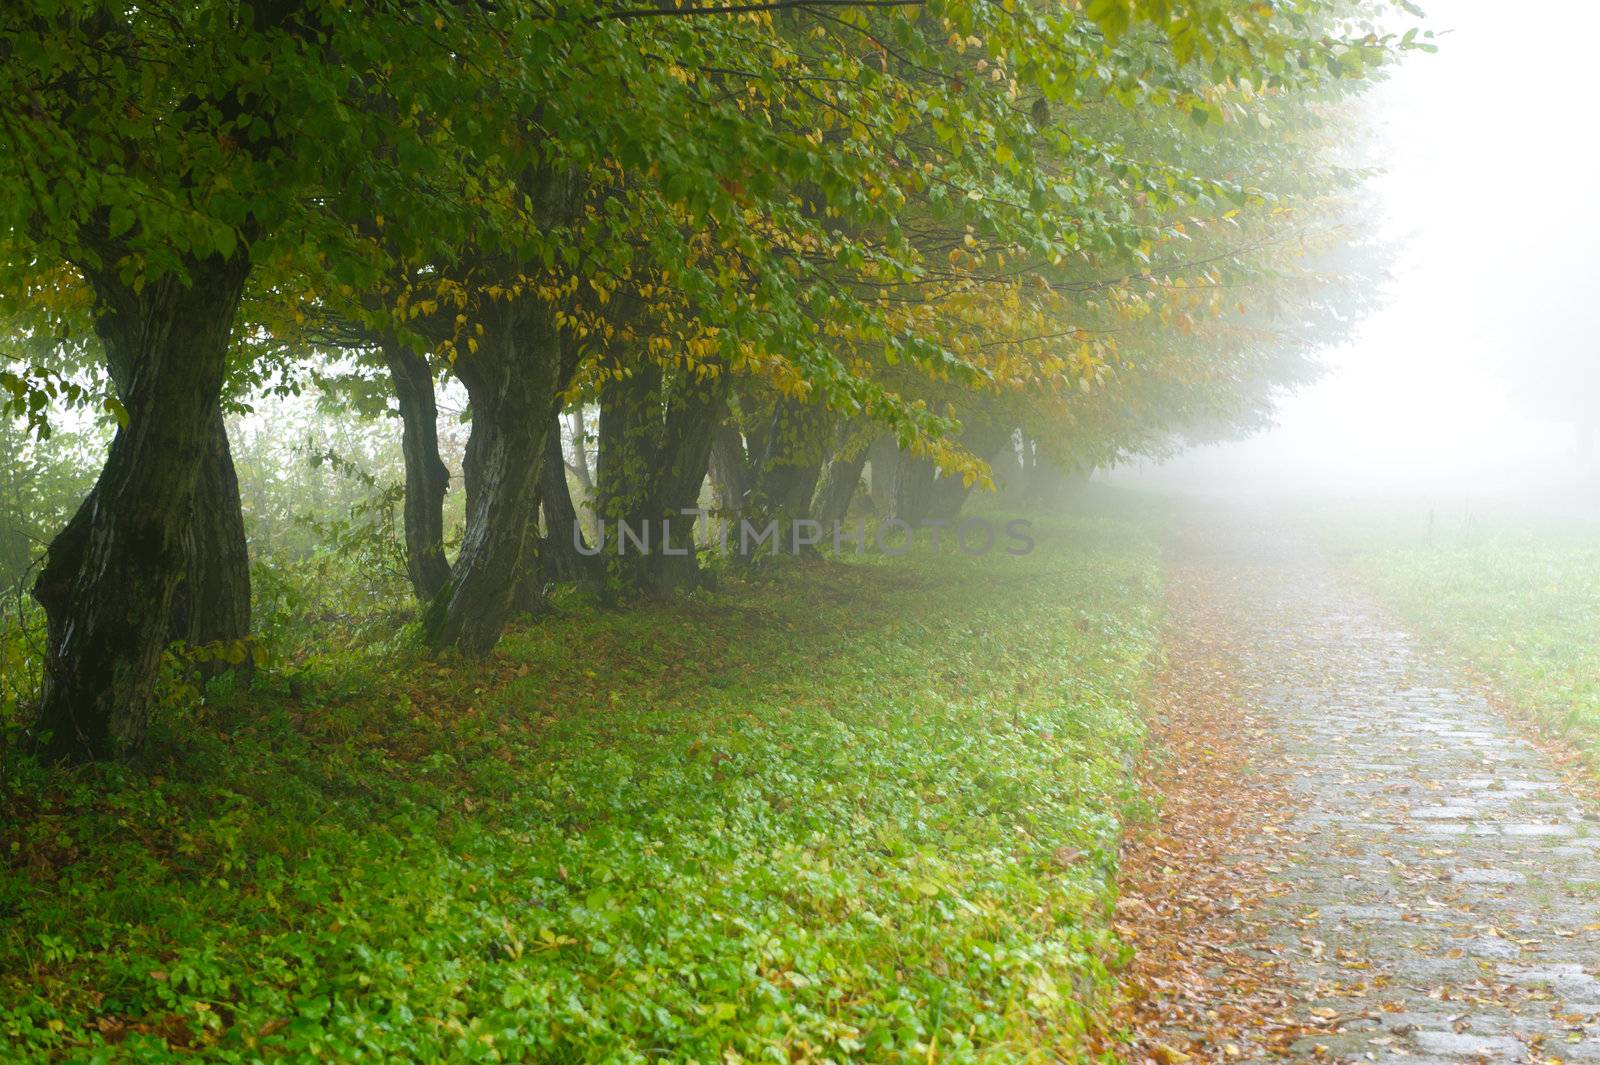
{"points": [[757, 238]]}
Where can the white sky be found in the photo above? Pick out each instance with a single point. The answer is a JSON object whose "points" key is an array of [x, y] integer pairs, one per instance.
{"points": [[1491, 166]]}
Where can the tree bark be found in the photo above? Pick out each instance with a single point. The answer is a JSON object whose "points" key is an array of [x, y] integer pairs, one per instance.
{"points": [[624, 466], [730, 472], [694, 408], [947, 495], [511, 382], [211, 604], [913, 489], [843, 478], [529, 597], [883, 460], [559, 555], [108, 583], [427, 477], [553, 555], [656, 437], [786, 458]]}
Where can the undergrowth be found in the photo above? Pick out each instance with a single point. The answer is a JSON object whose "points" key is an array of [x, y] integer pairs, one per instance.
{"points": [[868, 811]]}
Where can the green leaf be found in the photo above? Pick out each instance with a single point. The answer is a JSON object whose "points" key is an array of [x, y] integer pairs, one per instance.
{"points": [[122, 219]]}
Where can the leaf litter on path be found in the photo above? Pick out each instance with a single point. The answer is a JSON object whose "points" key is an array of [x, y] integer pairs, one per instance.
{"points": [[1357, 858]]}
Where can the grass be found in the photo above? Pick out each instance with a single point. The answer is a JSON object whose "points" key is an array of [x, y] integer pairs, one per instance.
{"points": [[865, 812], [1518, 600]]}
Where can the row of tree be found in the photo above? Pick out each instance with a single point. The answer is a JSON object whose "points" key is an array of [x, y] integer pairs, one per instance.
{"points": [[775, 240]]}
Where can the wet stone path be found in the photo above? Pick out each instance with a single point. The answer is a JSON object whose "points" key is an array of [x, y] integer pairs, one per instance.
{"points": [[1440, 898]]}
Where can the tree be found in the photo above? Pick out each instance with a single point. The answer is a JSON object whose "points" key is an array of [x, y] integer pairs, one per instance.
{"points": [[863, 213], [164, 155]]}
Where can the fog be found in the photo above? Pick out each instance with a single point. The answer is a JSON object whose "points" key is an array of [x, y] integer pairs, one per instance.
{"points": [[1460, 387]]}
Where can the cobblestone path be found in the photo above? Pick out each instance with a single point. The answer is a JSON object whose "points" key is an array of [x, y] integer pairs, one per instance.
{"points": [[1440, 895]]}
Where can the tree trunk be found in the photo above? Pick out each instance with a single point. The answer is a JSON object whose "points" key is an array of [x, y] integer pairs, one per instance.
{"points": [[427, 477], [786, 459], [211, 603], [529, 597], [913, 489], [559, 556], [947, 495], [511, 381], [554, 555], [841, 482], [730, 470], [1004, 466], [694, 408], [108, 583], [656, 437], [626, 463], [984, 438], [883, 459]]}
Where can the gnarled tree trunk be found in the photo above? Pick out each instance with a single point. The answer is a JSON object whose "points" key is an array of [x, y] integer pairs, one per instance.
{"points": [[656, 437], [554, 555], [730, 470], [786, 453], [842, 479], [427, 477], [511, 381], [913, 489], [211, 603], [883, 461], [108, 583]]}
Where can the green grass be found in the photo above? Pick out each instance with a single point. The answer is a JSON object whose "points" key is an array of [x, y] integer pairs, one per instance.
{"points": [[1517, 600], [865, 812]]}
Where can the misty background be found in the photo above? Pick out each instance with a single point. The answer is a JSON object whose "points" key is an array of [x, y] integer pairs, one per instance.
{"points": [[1473, 381]]}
